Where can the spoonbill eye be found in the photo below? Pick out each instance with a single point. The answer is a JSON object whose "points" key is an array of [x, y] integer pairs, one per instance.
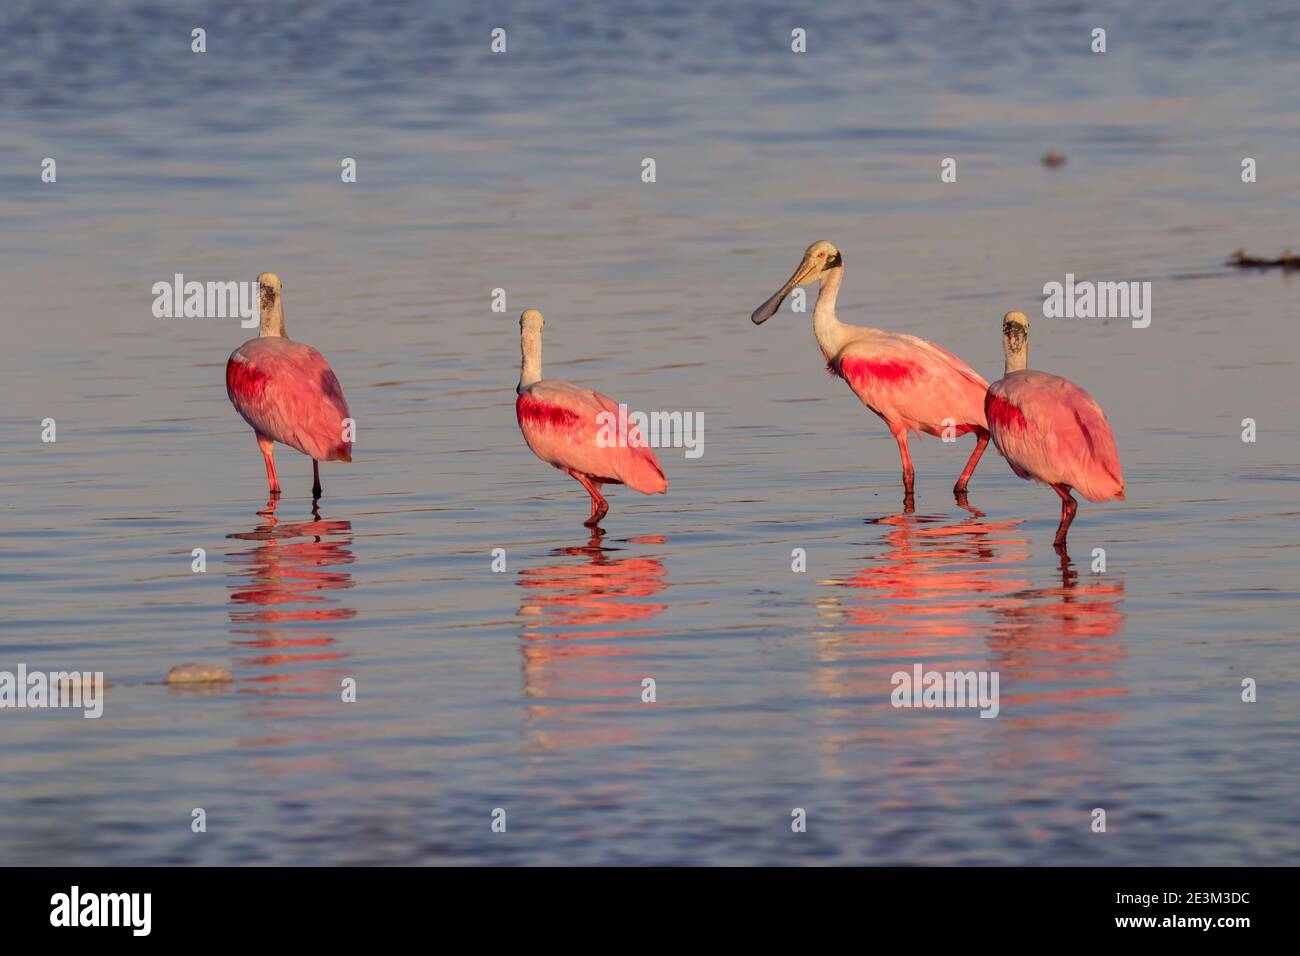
{"points": [[821, 255]]}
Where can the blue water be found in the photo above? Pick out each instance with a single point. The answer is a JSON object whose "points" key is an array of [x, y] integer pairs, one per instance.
{"points": [[522, 690]]}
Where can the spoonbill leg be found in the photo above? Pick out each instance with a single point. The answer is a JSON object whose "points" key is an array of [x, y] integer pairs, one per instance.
{"points": [[315, 473], [1068, 508], [909, 474], [599, 506], [273, 483], [981, 440]]}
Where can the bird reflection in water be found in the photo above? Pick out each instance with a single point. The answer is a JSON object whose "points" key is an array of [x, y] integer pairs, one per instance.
{"points": [[581, 621], [966, 595], [281, 598], [1052, 643]]}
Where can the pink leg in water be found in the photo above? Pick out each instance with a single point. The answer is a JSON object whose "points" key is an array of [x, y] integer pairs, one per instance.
{"points": [[273, 483], [599, 506], [1068, 509], [909, 474], [981, 441]]}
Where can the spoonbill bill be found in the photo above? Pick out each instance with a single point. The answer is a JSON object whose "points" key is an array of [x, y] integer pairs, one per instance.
{"points": [[1050, 430], [560, 424], [288, 392], [912, 384]]}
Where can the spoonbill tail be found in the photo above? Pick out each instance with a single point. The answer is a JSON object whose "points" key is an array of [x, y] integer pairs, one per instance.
{"points": [[287, 391], [912, 384], [559, 423], [1050, 430]]}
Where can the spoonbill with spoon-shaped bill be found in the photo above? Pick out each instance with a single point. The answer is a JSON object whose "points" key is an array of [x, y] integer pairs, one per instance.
{"points": [[912, 384]]}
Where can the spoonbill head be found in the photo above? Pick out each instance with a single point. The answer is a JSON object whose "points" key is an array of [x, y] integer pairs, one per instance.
{"points": [[1050, 430], [270, 304], [817, 259], [562, 425], [1015, 340]]}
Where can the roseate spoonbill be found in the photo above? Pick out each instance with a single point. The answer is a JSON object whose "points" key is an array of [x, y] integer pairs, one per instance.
{"points": [[287, 391], [1050, 430], [912, 384], [559, 423]]}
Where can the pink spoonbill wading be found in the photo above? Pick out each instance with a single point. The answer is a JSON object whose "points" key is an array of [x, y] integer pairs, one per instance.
{"points": [[287, 392], [1050, 430], [559, 423], [912, 384]]}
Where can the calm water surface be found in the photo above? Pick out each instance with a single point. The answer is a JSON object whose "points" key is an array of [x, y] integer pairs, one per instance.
{"points": [[521, 690]]}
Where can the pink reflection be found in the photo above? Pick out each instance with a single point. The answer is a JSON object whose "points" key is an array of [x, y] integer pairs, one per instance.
{"points": [[965, 595], [936, 578], [580, 620], [1058, 637], [291, 569]]}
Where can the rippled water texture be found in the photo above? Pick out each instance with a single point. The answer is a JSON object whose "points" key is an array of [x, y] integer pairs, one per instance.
{"points": [[523, 690]]}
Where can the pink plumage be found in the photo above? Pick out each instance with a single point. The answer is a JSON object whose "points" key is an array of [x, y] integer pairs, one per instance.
{"points": [[1051, 430], [559, 423], [912, 384], [288, 392], [580, 431]]}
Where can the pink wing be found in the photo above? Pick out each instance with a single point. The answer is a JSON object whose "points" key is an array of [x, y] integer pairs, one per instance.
{"points": [[559, 423], [287, 391], [1051, 430], [912, 382]]}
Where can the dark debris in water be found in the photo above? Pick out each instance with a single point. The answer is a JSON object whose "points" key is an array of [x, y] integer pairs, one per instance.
{"points": [[1285, 261]]}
